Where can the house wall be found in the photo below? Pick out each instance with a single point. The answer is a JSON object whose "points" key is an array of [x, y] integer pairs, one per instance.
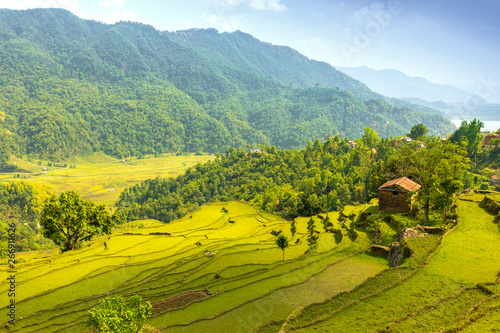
{"points": [[388, 202]]}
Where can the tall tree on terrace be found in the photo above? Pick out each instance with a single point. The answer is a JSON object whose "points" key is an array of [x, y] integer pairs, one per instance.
{"points": [[282, 243], [436, 167], [70, 220], [470, 133]]}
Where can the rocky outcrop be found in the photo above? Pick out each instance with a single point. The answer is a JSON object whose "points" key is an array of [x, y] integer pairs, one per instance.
{"points": [[396, 254], [410, 233], [432, 230], [398, 251]]}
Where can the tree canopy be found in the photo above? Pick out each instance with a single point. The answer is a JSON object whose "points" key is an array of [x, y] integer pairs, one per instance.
{"points": [[282, 243], [418, 131], [469, 132], [438, 167], [72, 87], [119, 315], [69, 220]]}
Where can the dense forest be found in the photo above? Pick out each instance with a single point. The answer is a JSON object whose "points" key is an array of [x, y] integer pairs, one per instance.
{"points": [[22, 203], [73, 87], [320, 178], [324, 176]]}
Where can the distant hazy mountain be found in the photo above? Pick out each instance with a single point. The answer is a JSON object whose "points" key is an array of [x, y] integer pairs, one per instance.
{"points": [[393, 83]]}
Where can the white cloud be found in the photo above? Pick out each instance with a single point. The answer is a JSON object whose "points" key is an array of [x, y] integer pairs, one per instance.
{"points": [[365, 14], [228, 15], [71, 5], [111, 3], [272, 5], [224, 22]]}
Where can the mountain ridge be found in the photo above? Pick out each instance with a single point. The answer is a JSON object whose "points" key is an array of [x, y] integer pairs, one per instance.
{"points": [[74, 87]]}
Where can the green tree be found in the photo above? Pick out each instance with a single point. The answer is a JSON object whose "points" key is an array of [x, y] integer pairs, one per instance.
{"points": [[418, 131], [370, 138], [470, 133], [70, 220], [282, 243], [434, 167], [118, 315]]}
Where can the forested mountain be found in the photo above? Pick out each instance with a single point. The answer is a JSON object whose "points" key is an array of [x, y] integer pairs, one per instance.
{"points": [[71, 87], [284, 64]]}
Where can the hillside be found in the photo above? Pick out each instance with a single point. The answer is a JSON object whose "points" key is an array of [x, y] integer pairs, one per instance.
{"points": [[75, 87], [456, 289], [219, 262], [423, 95], [218, 270], [283, 64]]}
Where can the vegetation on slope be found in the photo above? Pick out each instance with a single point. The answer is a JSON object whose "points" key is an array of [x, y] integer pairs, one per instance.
{"points": [[319, 178], [74, 87], [228, 249], [21, 203], [455, 289], [291, 183]]}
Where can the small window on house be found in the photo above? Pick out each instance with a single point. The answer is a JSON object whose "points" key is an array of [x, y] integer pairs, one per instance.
{"points": [[394, 194]]}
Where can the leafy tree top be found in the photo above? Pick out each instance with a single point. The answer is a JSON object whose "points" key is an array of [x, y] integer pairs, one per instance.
{"points": [[418, 131], [118, 315], [69, 220]]}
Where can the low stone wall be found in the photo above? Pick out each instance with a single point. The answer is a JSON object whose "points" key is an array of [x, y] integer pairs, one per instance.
{"points": [[380, 250]]}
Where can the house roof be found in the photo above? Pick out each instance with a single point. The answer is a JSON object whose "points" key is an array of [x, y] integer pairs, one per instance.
{"points": [[403, 182]]}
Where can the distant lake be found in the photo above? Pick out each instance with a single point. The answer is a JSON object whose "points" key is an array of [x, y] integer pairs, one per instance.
{"points": [[489, 125]]}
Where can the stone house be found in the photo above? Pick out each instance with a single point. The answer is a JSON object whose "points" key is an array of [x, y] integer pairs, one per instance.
{"points": [[397, 195]]}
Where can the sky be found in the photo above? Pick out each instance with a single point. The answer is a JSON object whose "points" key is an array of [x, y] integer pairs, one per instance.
{"points": [[448, 42]]}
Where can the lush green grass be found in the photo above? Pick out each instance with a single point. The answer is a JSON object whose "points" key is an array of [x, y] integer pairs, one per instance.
{"points": [[96, 175], [439, 294]]}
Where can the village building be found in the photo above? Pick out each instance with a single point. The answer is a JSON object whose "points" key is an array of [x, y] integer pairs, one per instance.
{"points": [[419, 144], [407, 139], [489, 137], [352, 144], [397, 195]]}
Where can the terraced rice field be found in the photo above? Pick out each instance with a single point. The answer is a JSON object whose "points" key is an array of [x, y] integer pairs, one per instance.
{"points": [[456, 289], [218, 270], [215, 270], [102, 178]]}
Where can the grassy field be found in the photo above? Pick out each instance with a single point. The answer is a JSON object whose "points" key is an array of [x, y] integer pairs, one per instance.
{"points": [[248, 282], [100, 177], [455, 289]]}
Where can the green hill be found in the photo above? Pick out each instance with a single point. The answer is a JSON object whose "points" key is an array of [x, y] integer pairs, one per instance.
{"points": [[75, 87], [218, 270], [455, 290], [284, 64]]}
